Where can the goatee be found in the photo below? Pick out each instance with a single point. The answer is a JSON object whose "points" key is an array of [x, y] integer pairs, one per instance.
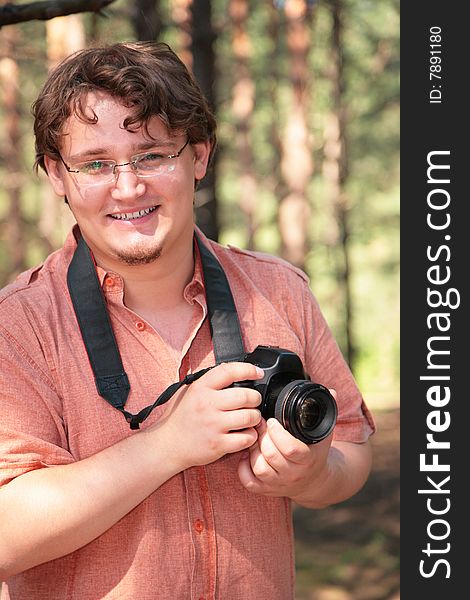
{"points": [[140, 256]]}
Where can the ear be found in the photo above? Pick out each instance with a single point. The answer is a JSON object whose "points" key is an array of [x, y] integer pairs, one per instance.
{"points": [[202, 152], [55, 173]]}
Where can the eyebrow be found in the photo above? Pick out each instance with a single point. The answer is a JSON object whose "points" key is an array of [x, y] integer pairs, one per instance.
{"points": [[95, 152]]}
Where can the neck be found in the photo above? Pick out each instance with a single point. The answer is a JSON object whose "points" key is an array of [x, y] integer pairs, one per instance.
{"points": [[159, 285]]}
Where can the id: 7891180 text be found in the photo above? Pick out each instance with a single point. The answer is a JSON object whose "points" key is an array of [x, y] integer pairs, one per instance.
{"points": [[435, 66]]}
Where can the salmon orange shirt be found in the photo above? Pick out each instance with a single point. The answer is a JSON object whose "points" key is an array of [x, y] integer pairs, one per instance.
{"points": [[201, 535]]}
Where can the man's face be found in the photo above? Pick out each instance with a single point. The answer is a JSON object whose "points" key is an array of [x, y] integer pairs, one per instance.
{"points": [[131, 220]]}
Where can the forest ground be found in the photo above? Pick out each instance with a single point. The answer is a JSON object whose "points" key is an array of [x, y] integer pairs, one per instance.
{"points": [[351, 551]]}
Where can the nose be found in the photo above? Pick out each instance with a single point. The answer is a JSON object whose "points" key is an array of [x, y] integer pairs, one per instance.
{"points": [[127, 184]]}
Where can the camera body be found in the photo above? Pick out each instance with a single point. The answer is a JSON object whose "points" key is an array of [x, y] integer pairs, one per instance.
{"points": [[306, 409]]}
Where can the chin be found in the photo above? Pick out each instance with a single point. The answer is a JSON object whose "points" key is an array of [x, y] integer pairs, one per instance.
{"points": [[139, 256]]}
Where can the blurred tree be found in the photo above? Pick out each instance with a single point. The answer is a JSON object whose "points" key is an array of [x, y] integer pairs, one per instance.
{"points": [[147, 20], [182, 19], [243, 100], [296, 161], [64, 35], [196, 37], [12, 223], [203, 37], [336, 171]]}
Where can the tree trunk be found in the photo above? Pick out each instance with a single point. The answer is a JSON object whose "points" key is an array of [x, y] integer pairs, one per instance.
{"points": [[203, 59], [182, 18], [146, 20], [195, 48], [275, 31], [335, 169], [9, 79], [243, 101], [65, 35], [296, 164]]}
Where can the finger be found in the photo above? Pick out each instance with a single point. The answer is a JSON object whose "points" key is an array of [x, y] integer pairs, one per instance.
{"points": [[271, 455], [251, 482], [247, 477], [233, 398], [261, 469], [292, 449], [243, 418], [225, 374], [237, 441]]}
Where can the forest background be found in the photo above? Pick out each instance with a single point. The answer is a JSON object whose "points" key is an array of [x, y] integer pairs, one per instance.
{"points": [[307, 98]]}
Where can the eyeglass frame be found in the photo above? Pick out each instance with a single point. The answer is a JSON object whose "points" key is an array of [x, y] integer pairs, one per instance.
{"points": [[131, 163]]}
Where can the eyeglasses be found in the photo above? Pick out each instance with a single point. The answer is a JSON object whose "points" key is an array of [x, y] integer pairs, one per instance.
{"points": [[101, 172]]}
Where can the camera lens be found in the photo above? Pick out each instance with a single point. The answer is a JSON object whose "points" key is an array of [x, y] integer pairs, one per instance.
{"points": [[307, 410], [310, 413]]}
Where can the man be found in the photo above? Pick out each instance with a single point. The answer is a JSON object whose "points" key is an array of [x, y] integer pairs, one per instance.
{"points": [[197, 502]]}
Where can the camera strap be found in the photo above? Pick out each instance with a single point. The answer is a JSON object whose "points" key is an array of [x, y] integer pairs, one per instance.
{"points": [[100, 343]]}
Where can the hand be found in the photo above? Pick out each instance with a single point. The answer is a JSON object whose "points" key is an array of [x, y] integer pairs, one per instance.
{"points": [[279, 464], [205, 420]]}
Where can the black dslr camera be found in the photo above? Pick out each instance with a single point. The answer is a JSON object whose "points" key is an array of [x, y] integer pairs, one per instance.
{"points": [[306, 409]]}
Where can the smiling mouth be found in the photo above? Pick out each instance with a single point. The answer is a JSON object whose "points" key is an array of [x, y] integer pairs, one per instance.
{"points": [[135, 215]]}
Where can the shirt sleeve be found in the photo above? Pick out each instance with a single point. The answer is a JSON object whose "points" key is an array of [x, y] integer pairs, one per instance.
{"points": [[325, 364], [32, 432]]}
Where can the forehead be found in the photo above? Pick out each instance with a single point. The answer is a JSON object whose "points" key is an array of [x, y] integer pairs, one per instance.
{"points": [[107, 129]]}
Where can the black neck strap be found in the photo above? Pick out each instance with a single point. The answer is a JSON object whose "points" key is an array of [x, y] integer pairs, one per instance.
{"points": [[93, 320]]}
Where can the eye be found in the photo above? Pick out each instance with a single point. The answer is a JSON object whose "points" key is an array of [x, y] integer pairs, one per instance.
{"points": [[150, 158], [95, 167]]}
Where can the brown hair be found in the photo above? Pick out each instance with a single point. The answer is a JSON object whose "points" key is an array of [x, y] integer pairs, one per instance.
{"points": [[148, 77]]}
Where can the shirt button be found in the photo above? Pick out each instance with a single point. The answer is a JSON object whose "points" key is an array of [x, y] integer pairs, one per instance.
{"points": [[198, 525], [140, 325], [109, 282]]}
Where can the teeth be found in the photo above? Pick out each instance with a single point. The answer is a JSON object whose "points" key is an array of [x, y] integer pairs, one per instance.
{"points": [[134, 215]]}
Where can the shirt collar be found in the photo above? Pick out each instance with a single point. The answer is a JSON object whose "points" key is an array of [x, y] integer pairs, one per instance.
{"points": [[111, 281]]}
